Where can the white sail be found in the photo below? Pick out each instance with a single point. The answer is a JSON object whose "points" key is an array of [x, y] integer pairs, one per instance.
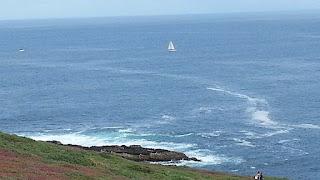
{"points": [[171, 47]]}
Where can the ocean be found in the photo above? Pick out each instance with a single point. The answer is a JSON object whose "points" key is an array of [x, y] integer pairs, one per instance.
{"points": [[241, 93]]}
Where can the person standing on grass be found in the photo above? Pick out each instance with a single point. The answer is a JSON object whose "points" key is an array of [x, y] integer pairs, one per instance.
{"points": [[257, 176]]}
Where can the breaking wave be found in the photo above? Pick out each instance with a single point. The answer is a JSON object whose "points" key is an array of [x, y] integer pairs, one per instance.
{"points": [[256, 108], [122, 136], [111, 139], [207, 158], [74, 138]]}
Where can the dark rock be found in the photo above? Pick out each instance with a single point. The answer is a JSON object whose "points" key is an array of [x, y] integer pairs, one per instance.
{"points": [[194, 159], [55, 142], [136, 152]]}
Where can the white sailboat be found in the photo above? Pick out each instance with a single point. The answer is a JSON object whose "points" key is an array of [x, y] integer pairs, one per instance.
{"points": [[171, 47]]}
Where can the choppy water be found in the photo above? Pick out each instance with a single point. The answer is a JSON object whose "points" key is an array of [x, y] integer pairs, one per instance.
{"points": [[241, 93]]}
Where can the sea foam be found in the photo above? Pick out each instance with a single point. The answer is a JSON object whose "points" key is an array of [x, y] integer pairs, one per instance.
{"points": [[243, 142], [209, 134], [74, 138], [128, 137], [206, 158], [307, 126], [112, 138], [256, 108]]}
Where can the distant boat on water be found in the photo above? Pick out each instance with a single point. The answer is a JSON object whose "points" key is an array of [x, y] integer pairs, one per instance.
{"points": [[171, 47], [21, 50]]}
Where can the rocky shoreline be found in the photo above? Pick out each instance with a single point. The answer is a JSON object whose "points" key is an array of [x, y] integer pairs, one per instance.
{"points": [[135, 152]]}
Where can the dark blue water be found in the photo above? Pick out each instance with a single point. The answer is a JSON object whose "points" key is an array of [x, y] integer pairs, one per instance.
{"points": [[241, 93]]}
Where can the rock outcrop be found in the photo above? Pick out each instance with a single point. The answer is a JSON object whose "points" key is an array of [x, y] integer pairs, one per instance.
{"points": [[136, 152]]}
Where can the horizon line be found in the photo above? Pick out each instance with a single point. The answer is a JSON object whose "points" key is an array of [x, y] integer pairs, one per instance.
{"points": [[163, 15]]}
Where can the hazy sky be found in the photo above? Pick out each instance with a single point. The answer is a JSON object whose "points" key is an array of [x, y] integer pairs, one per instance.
{"points": [[25, 9]]}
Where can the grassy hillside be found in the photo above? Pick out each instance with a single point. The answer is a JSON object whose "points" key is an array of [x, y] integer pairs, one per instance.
{"points": [[23, 158]]}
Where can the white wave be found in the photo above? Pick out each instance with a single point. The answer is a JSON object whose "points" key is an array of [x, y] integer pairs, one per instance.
{"points": [[206, 158], [47, 130], [243, 96], [307, 126], [249, 134], [287, 141], [165, 119], [254, 135], [74, 138], [114, 128], [168, 118], [110, 127], [166, 135], [156, 144], [262, 117], [256, 108], [210, 134], [243, 142], [184, 135], [112, 139], [269, 134]]}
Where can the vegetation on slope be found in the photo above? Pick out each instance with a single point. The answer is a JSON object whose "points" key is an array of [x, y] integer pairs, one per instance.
{"points": [[23, 158]]}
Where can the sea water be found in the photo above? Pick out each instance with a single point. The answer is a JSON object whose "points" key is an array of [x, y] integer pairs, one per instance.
{"points": [[242, 92]]}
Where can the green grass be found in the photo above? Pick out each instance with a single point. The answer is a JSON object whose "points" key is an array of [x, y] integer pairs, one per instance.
{"points": [[105, 166]]}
